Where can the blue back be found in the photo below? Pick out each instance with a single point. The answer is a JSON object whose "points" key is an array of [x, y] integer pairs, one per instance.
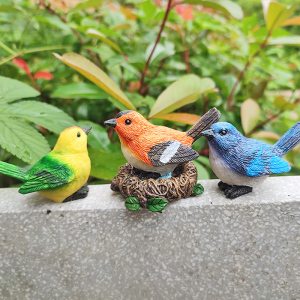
{"points": [[246, 156]]}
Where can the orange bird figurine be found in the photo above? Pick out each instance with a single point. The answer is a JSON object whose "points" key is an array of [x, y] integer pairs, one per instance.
{"points": [[157, 149]]}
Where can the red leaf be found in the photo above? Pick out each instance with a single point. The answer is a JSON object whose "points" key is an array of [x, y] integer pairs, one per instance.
{"points": [[112, 7], [22, 64], [186, 12], [179, 9], [133, 86], [179, 117], [43, 75]]}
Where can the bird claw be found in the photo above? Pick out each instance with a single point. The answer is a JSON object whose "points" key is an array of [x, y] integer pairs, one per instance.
{"points": [[167, 176], [235, 191], [223, 186]]}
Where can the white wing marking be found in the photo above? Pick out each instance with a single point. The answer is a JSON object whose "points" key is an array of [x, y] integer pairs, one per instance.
{"points": [[169, 152]]}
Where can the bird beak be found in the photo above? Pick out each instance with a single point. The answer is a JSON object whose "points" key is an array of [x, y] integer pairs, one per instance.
{"points": [[111, 122], [209, 134], [87, 130]]}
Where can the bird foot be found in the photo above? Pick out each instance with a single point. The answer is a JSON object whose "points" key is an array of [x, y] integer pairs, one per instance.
{"points": [[234, 191], [223, 186], [167, 176], [80, 194]]}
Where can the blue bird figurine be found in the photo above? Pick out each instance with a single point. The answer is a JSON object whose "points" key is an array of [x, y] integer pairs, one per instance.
{"points": [[242, 163]]}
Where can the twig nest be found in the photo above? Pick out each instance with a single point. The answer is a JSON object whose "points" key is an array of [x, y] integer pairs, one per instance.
{"points": [[153, 193]]}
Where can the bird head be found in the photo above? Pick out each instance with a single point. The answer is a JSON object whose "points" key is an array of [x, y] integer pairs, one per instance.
{"points": [[72, 140], [129, 124], [223, 136]]}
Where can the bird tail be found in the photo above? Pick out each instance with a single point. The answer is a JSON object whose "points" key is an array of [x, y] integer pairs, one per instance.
{"points": [[209, 118], [13, 171], [288, 141]]}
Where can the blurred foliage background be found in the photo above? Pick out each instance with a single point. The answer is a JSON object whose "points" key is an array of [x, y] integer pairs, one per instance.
{"points": [[169, 60]]}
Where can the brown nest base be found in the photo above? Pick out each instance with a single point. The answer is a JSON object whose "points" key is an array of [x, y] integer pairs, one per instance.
{"points": [[153, 193]]}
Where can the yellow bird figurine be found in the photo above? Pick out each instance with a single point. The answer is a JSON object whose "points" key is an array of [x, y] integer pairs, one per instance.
{"points": [[62, 174]]}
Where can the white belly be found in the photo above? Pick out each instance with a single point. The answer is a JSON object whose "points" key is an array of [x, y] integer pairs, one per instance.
{"points": [[137, 163], [226, 175]]}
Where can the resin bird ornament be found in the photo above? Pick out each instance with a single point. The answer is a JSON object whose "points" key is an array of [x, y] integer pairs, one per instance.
{"points": [[62, 174], [157, 149], [242, 163]]}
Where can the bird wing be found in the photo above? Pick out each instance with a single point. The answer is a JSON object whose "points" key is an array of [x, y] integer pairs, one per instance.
{"points": [[267, 163], [170, 152], [47, 173]]}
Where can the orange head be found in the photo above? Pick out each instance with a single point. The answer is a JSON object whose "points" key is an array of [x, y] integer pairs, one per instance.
{"points": [[129, 124]]}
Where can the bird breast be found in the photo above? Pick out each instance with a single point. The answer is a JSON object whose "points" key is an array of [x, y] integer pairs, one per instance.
{"points": [[139, 164], [229, 176]]}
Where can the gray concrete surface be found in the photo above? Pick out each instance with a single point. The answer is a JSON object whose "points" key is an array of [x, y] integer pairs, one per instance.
{"points": [[205, 247]]}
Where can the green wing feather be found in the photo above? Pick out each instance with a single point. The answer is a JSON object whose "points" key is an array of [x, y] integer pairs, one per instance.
{"points": [[13, 171], [47, 173]]}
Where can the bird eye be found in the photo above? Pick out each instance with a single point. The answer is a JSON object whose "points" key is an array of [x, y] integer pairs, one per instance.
{"points": [[223, 131], [78, 134], [127, 121]]}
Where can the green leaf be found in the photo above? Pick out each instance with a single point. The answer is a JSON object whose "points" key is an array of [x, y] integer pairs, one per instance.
{"points": [[156, 204], [149, 9], [11, 90], [129, 67], [55, 21], [87, 4], [105, 165], [250, 112], [286, 40], [132, 203], [10, 9], [228, 7], [203, 160], [160, 52], [282, 104], [22, 140], [183, 91], [96, 75], [104, 39], [277, 14], [198, 189], [202, 172], [79, 90], [97, 137], [259, 89], [166, 79], [116, 103], [46, 115]]}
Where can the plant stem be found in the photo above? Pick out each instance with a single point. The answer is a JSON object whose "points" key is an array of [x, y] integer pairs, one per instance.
{"points": [[271, 118], [186, 52], [186, 56], [45, 48], [6, 59], [248, 63], [32, 50], [169, 7], [24, 33], [145, 89], [262, 124], [7, 48]]}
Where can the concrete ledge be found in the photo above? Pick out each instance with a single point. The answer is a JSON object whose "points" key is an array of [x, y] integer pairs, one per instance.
{"points": [[206, 247]]}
